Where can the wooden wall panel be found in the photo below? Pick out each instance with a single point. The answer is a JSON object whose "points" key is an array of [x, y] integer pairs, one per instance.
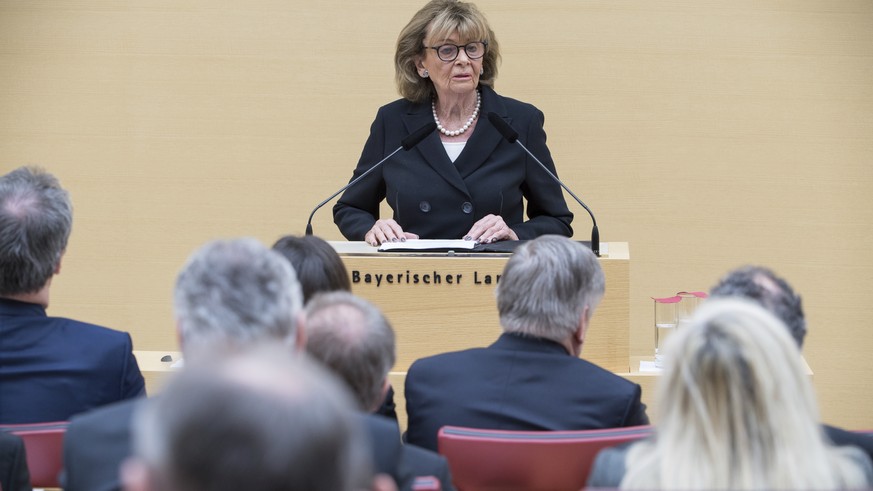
{"points": [[706, 134]]}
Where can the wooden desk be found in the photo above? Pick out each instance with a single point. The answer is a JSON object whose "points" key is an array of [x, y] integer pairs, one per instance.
{"points": [[648, 381], [154, 371]]}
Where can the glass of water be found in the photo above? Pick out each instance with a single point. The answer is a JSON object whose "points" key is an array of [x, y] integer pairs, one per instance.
{"points": [[665, 324]]}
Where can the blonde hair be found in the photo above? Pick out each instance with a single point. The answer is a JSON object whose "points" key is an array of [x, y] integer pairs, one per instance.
{"points": [[738, 412], [438, 20]]}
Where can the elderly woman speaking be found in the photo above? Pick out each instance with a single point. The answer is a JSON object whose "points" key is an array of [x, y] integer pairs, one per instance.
{"points": [[465, 181]]}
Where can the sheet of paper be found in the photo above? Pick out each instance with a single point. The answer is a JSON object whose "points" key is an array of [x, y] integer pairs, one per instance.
{"points": [[428, 245]]}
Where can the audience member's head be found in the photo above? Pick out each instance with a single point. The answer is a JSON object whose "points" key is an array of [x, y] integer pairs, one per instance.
{"points": [[258, 420], [352, 338], [35, 222], [737, 411], [318, 266], [236, 293], [768, 290], [549, 289]]}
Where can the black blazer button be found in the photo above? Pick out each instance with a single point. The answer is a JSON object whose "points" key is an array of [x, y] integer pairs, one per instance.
{"points": [[424, 206], [467, 207]]}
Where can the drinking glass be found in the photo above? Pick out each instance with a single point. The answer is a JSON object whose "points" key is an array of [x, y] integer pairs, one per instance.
{"points": [[665, 325]]}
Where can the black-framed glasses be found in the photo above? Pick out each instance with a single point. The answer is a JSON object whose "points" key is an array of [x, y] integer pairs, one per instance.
{"points": [[449, 52]]}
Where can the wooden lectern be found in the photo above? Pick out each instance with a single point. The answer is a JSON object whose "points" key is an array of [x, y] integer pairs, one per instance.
{"points": [[440, 302]]}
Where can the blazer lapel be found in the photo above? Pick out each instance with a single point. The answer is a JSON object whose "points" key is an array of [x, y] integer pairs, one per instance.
{"points": [[485, 137], [431, 148]]}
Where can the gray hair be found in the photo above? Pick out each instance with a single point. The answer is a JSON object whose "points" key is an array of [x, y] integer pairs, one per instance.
{"points": [[546, 285], [762, 286], [236, 292], [36, 217], [260, 419], [354, 340]]}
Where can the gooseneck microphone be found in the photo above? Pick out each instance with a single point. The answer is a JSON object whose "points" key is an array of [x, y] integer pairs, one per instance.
{"points": [[512, 137], [407, 143]]}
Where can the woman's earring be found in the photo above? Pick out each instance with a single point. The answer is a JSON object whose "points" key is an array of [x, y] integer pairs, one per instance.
{"points": [[425, 73], [481, 72]]}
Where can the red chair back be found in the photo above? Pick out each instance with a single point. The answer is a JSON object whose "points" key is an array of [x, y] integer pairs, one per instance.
{"points": [[482, 460], [44, 444]]}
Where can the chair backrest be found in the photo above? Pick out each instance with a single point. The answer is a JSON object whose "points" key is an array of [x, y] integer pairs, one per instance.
{"points": [[482, 460], [44, 443]]}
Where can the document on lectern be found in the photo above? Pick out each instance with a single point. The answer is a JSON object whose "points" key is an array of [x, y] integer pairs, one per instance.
{"points": [[429, 245]]}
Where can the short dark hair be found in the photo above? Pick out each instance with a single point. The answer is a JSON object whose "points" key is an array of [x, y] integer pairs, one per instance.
{"points": [[762, 286], [319, 268], [36, 218]]}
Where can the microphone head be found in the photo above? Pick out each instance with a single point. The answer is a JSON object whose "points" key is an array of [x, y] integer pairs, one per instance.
{"points": [[415, 137], [503, 127]]}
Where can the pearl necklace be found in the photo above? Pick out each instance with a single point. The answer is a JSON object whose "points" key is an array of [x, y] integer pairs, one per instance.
{"points": [[466, 125]]}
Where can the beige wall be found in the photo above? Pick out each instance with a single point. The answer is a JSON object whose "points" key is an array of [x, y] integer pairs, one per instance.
{"points": [[706, 134]]}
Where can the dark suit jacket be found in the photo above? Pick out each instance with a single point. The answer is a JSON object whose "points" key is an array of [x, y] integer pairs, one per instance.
{"points": [[95, 445], [403, 462], [97, 442], [13, 464], [440, 199], [842, 438], [52, 368], [517, 383], [419, 462]]}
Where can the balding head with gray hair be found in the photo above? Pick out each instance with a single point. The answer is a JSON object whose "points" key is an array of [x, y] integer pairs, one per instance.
{"points": [[36, 218], [236, 293], [354, 340], [546, 286]]}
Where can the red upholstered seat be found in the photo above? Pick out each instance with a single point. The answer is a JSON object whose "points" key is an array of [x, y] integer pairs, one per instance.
{"points": [[530, 460], [44, 443]]}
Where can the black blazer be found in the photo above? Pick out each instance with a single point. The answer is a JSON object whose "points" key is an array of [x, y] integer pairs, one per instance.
{"points": [[54, 368], [437, 199], [14, 475], [95, 445], [97, 442], [517, 383]]}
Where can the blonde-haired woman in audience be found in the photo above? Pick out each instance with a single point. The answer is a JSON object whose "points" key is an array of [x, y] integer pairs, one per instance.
{"points": [[737, 411]]}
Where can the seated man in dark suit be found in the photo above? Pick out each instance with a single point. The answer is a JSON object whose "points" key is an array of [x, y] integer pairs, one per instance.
{"points": [[52, 367], [764, 287], [355, 341], [531, 378], [254, 420], [229, 293], [14, 475], [233, 294], [321, 270]]}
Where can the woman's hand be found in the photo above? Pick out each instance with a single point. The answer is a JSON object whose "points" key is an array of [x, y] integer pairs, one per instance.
{"points": [[490, 228], [387, 230]]}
